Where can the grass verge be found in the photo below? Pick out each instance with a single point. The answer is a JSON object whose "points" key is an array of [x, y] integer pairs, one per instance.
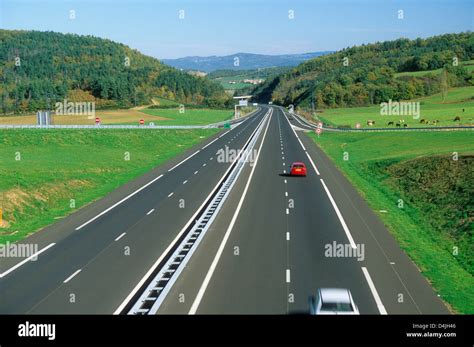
{"points": [[48, 174], [189, 116], [373, 158]]}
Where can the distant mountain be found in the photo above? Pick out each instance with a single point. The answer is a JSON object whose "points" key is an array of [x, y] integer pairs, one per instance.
{"points": [[240, 61]]}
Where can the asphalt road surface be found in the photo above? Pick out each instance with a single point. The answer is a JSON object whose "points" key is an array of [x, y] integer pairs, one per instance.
{"points": [[266, 251]]}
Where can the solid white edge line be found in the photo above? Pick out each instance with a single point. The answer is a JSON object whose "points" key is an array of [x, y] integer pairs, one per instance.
{"points": [[33, 256], [70, 277], [123, 234], [175, 240], [210, 272], [182, 161], [210, 143], [118, 203], [312, 163], [339, 215], [375, 294]]}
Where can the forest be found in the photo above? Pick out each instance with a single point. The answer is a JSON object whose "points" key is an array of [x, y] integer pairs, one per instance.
{"points": [[370, 74], [38, 69]]}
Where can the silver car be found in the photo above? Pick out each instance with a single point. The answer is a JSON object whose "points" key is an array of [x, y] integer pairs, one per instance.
{"points": [[332, 301]]}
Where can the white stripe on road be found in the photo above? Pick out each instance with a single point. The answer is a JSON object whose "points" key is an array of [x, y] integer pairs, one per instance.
{"points": [[186, 181], [376, 296], [287, 211], [288, 279], [210, 143], [192, 155], [211, 270], [195, 172], [312, 163], [155, 265], [151, 211], [118, 203], [170, 195], [34, 256], [339, 215], [287, 236], [70, 277], [301, 143], [286, 193], [123, 234]]}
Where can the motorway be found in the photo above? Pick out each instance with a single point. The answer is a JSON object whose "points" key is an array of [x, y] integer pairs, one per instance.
{"points": [[263, 254]]}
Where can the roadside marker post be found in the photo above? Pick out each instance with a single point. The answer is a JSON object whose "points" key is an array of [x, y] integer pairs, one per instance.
{"points": [[97, 121], [142, 121], [318, 131]]}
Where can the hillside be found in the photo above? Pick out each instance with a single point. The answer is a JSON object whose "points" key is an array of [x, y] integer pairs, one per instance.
{"points": [[371, 74], [38, 69], [247, 61]]}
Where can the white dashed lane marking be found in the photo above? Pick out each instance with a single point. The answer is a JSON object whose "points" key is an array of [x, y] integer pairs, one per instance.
{"points": [[70, 277]]}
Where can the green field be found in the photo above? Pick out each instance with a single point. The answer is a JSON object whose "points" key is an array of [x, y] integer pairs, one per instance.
{"points": [[190, 116], [225, 82], [468, 65], [374, 158], [431, 108], [56, 166]]}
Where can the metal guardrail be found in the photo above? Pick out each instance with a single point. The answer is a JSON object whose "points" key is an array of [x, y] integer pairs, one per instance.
{"points": [[98, 127], [124, 126], [152, 296], [439, 128]]}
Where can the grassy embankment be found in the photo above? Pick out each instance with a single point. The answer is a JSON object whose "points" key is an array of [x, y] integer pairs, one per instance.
{"points": [[459, 102], [437, 214], [56, 166]]}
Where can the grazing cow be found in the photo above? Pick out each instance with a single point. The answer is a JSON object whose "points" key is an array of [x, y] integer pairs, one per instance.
{"points": [[423, 121], [390, 123], [457, 118], [405, 125], [398, 125]]}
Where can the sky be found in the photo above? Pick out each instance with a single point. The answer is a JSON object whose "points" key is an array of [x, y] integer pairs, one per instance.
{"points": [[178, 28]]}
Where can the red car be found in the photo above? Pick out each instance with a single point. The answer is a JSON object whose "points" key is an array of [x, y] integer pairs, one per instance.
{"points": [[298, 169]]}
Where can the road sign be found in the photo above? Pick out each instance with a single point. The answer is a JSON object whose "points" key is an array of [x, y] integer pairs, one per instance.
{"points": [[318, 131], [320, 125], [142, 121], [243, 103], [97, 120], [227, 125]]}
